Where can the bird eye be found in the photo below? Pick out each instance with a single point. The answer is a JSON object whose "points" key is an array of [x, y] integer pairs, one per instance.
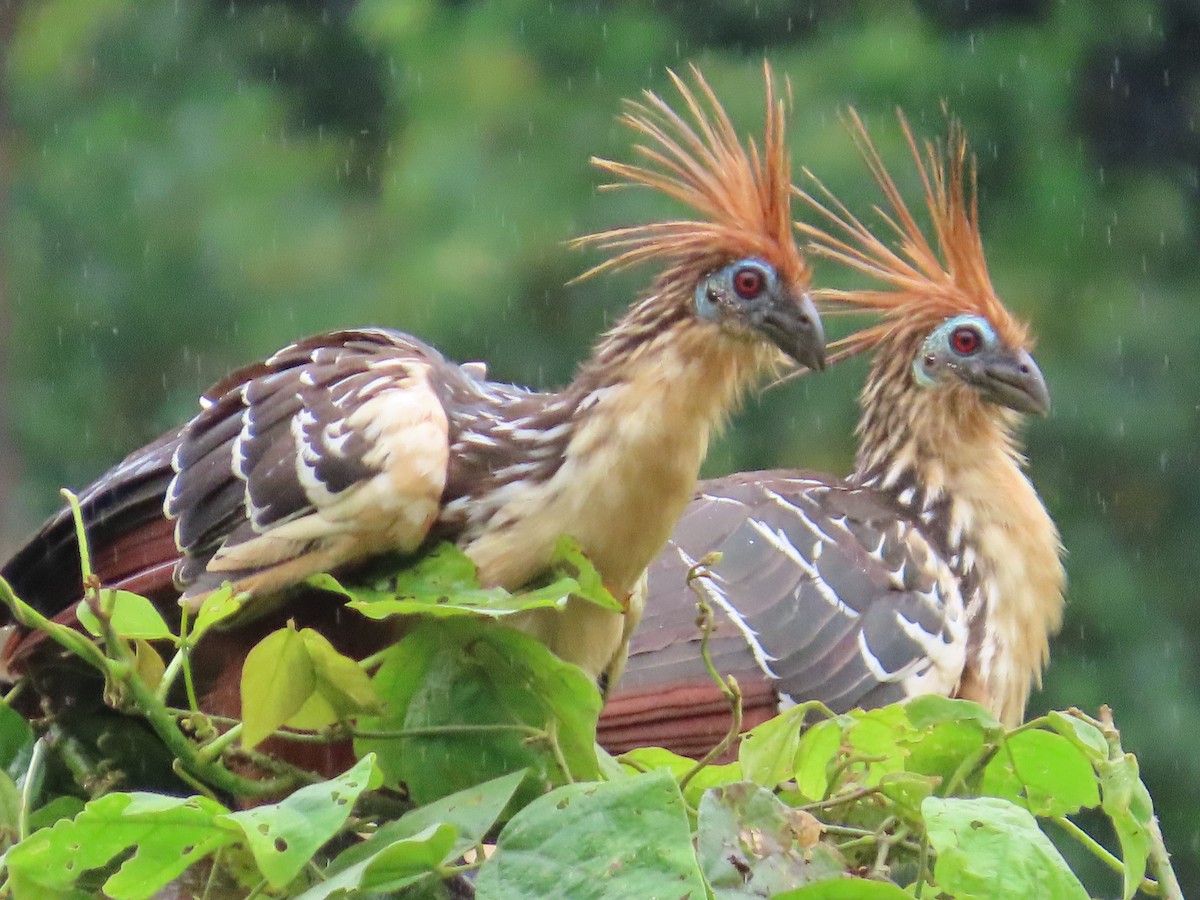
{"points": [[965, 341], [749, 282]]}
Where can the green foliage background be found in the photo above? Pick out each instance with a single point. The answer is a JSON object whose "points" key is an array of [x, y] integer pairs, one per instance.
{"points": [[191, 185]]}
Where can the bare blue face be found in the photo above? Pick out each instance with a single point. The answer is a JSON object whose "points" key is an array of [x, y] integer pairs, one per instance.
{"points": [[747, 297], [967, 349]]}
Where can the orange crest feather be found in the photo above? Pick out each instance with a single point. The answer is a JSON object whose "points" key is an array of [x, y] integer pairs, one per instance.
{"points": [[927, 283], [743, 195]]}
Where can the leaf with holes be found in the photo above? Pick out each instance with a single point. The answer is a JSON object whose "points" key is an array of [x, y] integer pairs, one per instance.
{"points": [[133, 616], [752, 845], [284, 836], [487, 701], [627, 838], [277, 680], [1042, 771], [166, 834], [991, 849]]}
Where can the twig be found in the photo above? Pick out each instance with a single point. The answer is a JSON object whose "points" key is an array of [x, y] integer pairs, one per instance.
{"points": [[31, 786], [1158, 859], [728, 684], [840, 799], [843, 765], [922, 865], [1101, 852], [443, 730]]}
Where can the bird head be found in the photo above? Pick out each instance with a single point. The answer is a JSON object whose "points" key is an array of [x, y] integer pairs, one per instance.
{"points": [[735, 269], [966, 350], [936, 299]]}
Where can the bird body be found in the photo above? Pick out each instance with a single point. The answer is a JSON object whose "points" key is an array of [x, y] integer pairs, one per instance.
{"points": [[360, 444], [932, 568]]}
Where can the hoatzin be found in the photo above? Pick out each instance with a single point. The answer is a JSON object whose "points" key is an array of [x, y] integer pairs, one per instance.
{"points": [[349, 445], [932, 568]]}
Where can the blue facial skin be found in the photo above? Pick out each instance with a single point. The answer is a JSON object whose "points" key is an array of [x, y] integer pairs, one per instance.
{"points": [[966, 348], [938, 358], [749, 300], [716, 297]]}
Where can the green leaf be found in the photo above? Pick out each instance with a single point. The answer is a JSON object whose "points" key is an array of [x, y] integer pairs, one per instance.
{"points": [[942, 748], [391, 866], [445, 583], [1084, 735], [341, 688], [846, 889], [752, 845], [277, 679], [10, 809], [489, 690], [1043, 771], [878, 733], [59, 808], [133, 616], [492, 603], [471, 813], [768, 751], [167, 835], [284, 836], [340, 679], [932, 709], [816, 749], [990, 849], [1127, 802], [644, 759], [149, 665], [16, 741], [908, 790], [617, 839], [569, 561], [216, 607]]}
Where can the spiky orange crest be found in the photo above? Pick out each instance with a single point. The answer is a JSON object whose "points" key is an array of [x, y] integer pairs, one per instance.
{"points": [[926, 282], [742, 195]]}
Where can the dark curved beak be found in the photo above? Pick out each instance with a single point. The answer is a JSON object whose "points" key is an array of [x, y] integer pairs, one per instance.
{"points": [[794, 326], [1012, 379]]}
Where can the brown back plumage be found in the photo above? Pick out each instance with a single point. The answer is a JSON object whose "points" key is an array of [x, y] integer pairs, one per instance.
{"points": [[925, 282], [742, 193]]}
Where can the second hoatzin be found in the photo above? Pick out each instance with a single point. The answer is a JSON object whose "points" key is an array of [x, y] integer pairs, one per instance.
{"points": [[932, 568], [346, 446]]}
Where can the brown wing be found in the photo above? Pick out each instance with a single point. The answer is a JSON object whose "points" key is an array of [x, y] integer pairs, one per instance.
{"points": [[824, 592], [127, 533], [332, 450]]}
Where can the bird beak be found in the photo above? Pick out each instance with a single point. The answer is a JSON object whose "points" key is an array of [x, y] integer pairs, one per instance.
{"points": [[1012, 379], [794, 326]]}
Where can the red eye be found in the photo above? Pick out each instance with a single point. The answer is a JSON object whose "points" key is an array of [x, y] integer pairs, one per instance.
{"points": [[748, 283], [965, 341]]}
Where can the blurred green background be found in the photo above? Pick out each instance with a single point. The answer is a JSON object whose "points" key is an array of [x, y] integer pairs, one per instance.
{"points": [[189, 185]]}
